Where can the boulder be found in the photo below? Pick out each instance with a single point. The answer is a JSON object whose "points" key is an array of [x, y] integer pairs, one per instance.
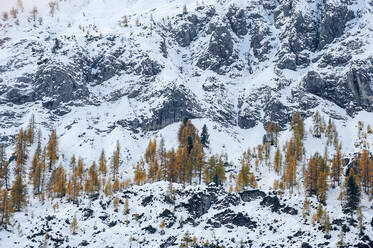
{"points": [[227, 201], [237, 219], [147, 200], [168, 217], [149, 229], [251, 195], [198, 204], [87, 213], [271, 201], [171, 241], [289, 210]]}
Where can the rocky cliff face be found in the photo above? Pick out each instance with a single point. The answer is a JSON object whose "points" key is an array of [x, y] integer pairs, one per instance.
{"points": [[239, 64]]}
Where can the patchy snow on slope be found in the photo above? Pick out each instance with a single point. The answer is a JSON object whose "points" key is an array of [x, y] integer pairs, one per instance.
{"points": [[131, 73]]}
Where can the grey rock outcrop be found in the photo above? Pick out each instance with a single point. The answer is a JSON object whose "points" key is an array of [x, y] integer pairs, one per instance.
{"points": [[336, 15], [237, 20], [318, 25], [352, 92], [260, 37], [185, 33], [148, 67], [237, 219], [178, 105], [200, 203], [251, 195], [55, 84], [219, 49], [103, 68]]}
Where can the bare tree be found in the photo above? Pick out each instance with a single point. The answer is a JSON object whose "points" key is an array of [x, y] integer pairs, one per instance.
{"points": [[14, 13], [5, 16], [52, 7], [20, 5], [34, 12]]}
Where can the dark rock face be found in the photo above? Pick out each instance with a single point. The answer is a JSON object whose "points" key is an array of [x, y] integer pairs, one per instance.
{"points": [[300, 34], [262, 105], [56, 84], [179, 104], [260, 34], [330, 59], [275, 110], [274, 203], [358, 81], [353, 92], [334, 21], [314, 83], [310, 30], [286, 59], [229, 200], [16, 96], [163, 48], [219, 50], [247, 120], [248, 115], [237, 20], [185, 34], [242, 220], [305, 35], [148, 68], [103, 68]]}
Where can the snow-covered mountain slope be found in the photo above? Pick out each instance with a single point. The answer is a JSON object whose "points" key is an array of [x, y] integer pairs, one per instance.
{"points": [[99, 71]]}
